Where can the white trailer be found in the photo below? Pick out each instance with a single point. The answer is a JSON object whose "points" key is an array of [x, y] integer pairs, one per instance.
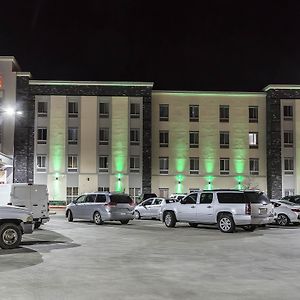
{"points": [[31, 196]]}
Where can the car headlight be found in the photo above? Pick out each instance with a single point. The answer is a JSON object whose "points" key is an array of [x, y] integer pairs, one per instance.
{"points": [[29, 219]]}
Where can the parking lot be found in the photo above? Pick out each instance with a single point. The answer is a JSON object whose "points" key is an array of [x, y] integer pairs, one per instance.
{"points": [[146, 260]]}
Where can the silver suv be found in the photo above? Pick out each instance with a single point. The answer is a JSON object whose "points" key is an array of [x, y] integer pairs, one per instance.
{"points": [[226, 208], [100, 207]]}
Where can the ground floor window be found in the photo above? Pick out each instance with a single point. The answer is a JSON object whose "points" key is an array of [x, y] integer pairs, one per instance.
{"points": [[103, 189], [289, 192], [134, 193], [164, 193], [72, 193]]}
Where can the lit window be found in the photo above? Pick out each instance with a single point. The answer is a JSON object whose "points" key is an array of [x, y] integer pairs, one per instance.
{"points": [[163, 138], [224, 139], [253, 114], [253, 139], [224, 166], [163, 165], [72, 193], [164, 112], [288, 112], [134, 110], [41, 163], [72, 163], [194, 165], [194, 139], [194, 113], [103, 164], [104, 110], [134, 164], [224, 113], [288, 138], [103, 136], [42, 136], [288, 166], [72, 135], [254, 166], [42, 109], [134, 136], [73, 109]]}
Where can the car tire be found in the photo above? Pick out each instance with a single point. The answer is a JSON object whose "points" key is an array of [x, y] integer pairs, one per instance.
{"points": [[137, 215], [69, 216], [249, 228], [170, 219], [97, 218], [10, 236], [37, 225], [124, 222], [193, 225], [226, 223], [282, 220]]}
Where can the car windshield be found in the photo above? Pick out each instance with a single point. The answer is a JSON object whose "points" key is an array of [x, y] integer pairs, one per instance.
{"points": [[120, 199], [257, 197]]}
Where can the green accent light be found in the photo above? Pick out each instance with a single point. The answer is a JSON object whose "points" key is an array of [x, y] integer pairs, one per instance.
{"points": [[179, 186], [239, 180], [209, 180], [119, 182]]}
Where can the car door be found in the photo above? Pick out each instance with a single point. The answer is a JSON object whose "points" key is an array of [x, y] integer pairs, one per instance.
{"points": [[78, 207], [186, 209], [88, 206], [205, 208], [155, 208], [146, 208]]}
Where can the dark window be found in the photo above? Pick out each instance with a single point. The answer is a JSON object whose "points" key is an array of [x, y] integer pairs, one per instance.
{"points": [[73, 109], [72, 135], [288, 166], [194, 113], [134, 136], [189, 199], [194, 139], [163, 138], [104, 110], [42, 136], [256, 197], [134, 110], [288, 112], [164, 112], [288, 139], [206, 198], [163, 165], [134, 164], [254, 166], [42, 109], [224, 166], [101, 199], [231, 197], [103, 163], [224, 113], [253, 114], [224, 139], [103, 136], [90, 198], [194, 165], [120, 199]]}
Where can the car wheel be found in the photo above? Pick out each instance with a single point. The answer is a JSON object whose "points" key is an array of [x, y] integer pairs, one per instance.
{"points": [[37, 225], [10, 236], [249, 228], [282, 220], [97, 218], [123, 222], [137, 215], [226, 223], [170, 219], [69, 216], [193, 225]]}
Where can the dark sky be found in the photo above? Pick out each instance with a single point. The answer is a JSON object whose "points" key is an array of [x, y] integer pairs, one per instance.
{"points": [[179, 45]]}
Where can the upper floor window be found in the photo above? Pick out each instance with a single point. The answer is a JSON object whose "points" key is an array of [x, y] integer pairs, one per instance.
{"points": [[134, 164], [72, 135], [224, 113], [42, 136], [42, 109], [288, 112], [134, 136], [288, 165], [253, 114], [163, 138], [134, 110], [163, 165], [103, 136], [194, 139], [41, 161], [224, 139], [194, 165], [72, 163], [103, 164], [73, 109], [224, 166], [104, 110], [72, 193], [164, 112], [288, 138], [194, 113], [254, 166], [253, 139]]}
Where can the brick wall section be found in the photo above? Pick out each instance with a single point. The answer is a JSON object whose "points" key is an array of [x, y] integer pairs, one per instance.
{"points": [[127, 91], [274, 168], [24, 133]]}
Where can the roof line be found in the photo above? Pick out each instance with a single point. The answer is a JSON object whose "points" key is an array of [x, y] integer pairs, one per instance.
{"points": [[211, 93], [93, 83], [282, 87]]}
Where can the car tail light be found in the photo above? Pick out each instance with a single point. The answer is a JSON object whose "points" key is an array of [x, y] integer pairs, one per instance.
{"points": [[296, 209], [132, 203], [248, 208], [110, 204]]}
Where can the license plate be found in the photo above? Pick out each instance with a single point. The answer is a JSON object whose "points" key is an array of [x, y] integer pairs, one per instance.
{"points": [[262, 211]]}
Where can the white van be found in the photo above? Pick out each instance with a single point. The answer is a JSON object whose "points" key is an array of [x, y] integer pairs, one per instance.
{"points": [[31, 196]]}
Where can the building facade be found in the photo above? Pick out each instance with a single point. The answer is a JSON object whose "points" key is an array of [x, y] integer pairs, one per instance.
{"points": [[80, 137]]}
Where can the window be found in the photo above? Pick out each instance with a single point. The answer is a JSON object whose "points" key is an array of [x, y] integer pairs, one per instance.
{"points": [[289, 192], [194, 113], [104, 110], [73, 109], [42, 136], [288, 139], [41, 161], [72, 163], [164, 112], [103, 189], [253, 140], [194, 165], [72, 193], [100, 198], [190, 199], [134, 136], [90, 198], [163, 165], [224, 113], [42, 109], [224, 166], [134, 193], [164, 192], [163, 138], [231, 197], [194, 139], [253, 114], [103, 136], [288, 166], [134, 164], [224, 139], [103, 164], [288, 112], [72, 135], [134, 110], [206, 198], [254, 166]]}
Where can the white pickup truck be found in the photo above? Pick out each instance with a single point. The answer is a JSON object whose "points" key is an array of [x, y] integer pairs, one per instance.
{"points": [[14, 221], [226, 208]]}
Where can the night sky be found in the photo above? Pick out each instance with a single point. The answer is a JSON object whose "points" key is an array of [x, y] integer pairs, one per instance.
{"points": [[179, 45]]}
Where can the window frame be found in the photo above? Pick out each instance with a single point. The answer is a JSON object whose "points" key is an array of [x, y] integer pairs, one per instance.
{"points": [[44, 131], [224, 113], [43, 113], [162, 138], [164, 162], [74, 113], [75, 140], [191, 134], [253, 137], [73, 168], [103, 169], [194, 113], [224, 161], [135, 113], [289, 142], [288, 165], [162, 117], [134, 164], [41, 169], [105, 112], [253, 114], [195, 160], [105, 132], [254, 166], [224, 134], [134, 136]]}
